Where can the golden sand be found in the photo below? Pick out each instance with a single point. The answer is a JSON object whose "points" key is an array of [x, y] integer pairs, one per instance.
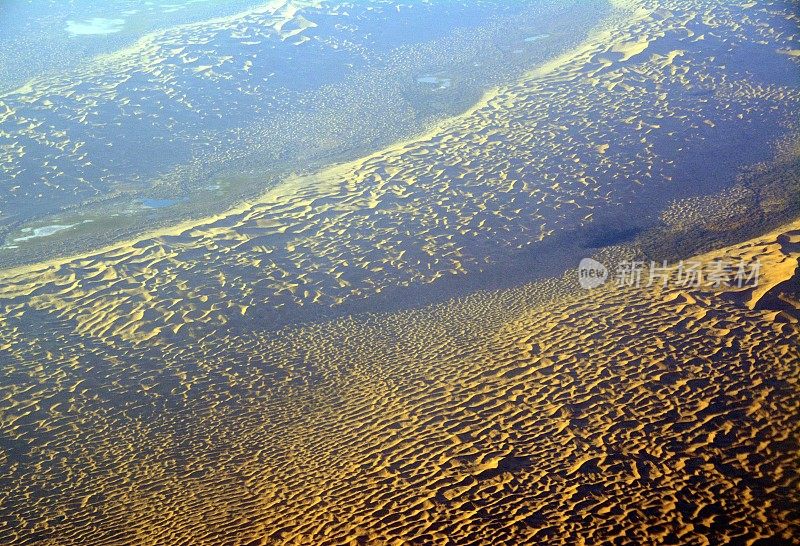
{"points": [[515, 169], [537, 414], [148, 399]]}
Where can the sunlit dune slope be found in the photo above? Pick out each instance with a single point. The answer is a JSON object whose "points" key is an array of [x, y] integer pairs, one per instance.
{"points": [[538, 414], [616, 126], [148, 395]]}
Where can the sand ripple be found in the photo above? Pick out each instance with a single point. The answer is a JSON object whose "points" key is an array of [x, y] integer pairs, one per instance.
{"points": [[148, 398]]}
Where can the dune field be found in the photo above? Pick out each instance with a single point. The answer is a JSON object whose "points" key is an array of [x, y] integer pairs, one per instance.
{"points": [[396, 349], [212, 112]]}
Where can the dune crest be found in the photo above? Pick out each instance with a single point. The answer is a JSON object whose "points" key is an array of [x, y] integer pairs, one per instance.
{"points": [[151, 395]]}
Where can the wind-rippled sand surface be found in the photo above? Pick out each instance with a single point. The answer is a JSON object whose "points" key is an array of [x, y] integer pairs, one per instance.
{"points": [[148, 398], [533, 414], [217, 110]]}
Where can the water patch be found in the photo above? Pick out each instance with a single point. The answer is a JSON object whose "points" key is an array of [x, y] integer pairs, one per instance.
{"points": [[435, 81], [97, 26], [157, 203], [536, 38], [45, 231]]}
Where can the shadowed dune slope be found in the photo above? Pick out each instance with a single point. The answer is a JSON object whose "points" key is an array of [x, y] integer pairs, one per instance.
{"points": [[148, 397], [537, 414]]}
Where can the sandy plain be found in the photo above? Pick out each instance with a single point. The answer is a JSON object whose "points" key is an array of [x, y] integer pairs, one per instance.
{"points": [[150, 397], [211, 113]]}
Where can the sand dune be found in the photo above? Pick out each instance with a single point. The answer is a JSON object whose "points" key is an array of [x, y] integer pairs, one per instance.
{"points": [[211, 112], [519, 167], [148, 397], [528, 415]]}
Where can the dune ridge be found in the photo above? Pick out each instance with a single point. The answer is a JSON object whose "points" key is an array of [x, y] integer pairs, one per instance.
{"points": [[239, 102], [148, 398], [534, 414], [518, 168]]}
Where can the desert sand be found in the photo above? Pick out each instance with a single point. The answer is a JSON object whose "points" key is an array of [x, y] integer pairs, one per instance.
{"points": [[148, 395], [531, 415]]}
